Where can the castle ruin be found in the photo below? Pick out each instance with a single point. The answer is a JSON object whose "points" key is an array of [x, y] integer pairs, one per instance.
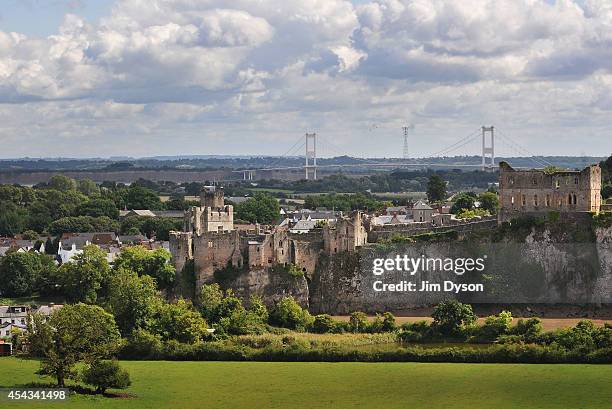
{"points": [[536, 191], [210, 240]]}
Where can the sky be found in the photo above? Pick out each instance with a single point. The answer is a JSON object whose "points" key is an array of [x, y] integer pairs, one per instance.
{"points": [[92, 78]]}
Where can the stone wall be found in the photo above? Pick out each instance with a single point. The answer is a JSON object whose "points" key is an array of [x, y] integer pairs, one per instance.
{"points": [[378, 233]]}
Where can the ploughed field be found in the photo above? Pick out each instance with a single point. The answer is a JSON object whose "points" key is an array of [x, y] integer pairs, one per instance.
{"points": [[164, 384]]}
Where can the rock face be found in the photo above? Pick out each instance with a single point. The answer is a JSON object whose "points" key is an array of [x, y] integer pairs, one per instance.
{"points": [[544, 265], [270, 284]]}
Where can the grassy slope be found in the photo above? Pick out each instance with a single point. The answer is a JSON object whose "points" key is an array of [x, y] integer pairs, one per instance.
{"points": [[343, 385]]}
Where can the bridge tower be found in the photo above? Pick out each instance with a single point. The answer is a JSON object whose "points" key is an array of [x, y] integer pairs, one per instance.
{"points": [[311, 156], [488, 149], [405, 153]]}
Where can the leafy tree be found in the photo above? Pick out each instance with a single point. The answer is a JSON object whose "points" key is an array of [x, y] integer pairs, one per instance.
{"points": [[160, 227], [13, 219], [451, 317], [178, 321], [489, 201], [606, 191], [388, 323], [75, 333], [357, 201], [30, 235], [82, 224], [209, 299], [131, 299], [139, 197], [154, 263], [462, 201], [436, 189], [261, 208], [257, 307], [22, 273], [82, 278], [99, 207], [62, 183], [359, 322], [88, 187], [287, 313], [106, 374]]}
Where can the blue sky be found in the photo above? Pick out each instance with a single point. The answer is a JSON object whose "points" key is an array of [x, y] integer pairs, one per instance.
{"points": [[43, 17], [163, 77]]}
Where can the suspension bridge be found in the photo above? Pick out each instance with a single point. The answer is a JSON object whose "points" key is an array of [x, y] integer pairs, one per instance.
{"points": [[487, 135]]}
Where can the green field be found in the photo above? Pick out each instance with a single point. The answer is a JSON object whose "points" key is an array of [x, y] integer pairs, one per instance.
{"points": [[186, 385]]}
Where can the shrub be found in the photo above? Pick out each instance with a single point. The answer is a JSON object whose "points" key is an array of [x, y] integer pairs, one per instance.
{"points": [[451, 317], [323, 324], [142, 344], [494, 326], [578, 339], [528, 330], [359, 322], [106, 374]]}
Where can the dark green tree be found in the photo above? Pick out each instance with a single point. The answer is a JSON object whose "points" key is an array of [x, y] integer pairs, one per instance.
{"points": [[261, 208], [21, 274], [154, 263], [131, 299], [82, 278], [436, 189], [74, 333], [462, 201], [451, 317]]}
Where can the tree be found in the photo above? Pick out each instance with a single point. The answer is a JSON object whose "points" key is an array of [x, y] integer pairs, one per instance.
{"points": [[261, 208], [62, 183], [131, 299], [436, 189], [489, 201], [82, 278], [159, 227], [139, 197], [287, 313], [13, 219], [359, 322], [82, 224], [22, 273], [99, 207], [74, 333], [154, 263], [209, 299], [106, 374], [450, 317], [178, 321], [88, 187], [462, 201]]}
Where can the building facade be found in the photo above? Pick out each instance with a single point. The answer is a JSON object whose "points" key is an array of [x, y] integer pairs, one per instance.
{"points": [[536, 191]]}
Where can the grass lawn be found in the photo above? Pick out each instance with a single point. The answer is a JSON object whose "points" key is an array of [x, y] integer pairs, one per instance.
{"points": [[185, 385]]}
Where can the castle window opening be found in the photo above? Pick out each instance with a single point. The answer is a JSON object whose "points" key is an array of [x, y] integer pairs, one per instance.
{"points": [[524, 200], [557, 184], [576, 180], [535, 200], [547, 200]]}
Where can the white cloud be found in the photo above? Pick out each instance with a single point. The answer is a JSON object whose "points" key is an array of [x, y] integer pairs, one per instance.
{"points": [[201, 70]]}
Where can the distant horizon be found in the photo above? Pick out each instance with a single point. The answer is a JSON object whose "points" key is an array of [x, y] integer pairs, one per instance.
{"points": [[230, 156]]}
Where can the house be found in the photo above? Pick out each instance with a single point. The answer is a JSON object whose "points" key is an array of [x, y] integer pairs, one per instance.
{"points": [[13, 314], [422, 212], [303, 226], [396, 210]]}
